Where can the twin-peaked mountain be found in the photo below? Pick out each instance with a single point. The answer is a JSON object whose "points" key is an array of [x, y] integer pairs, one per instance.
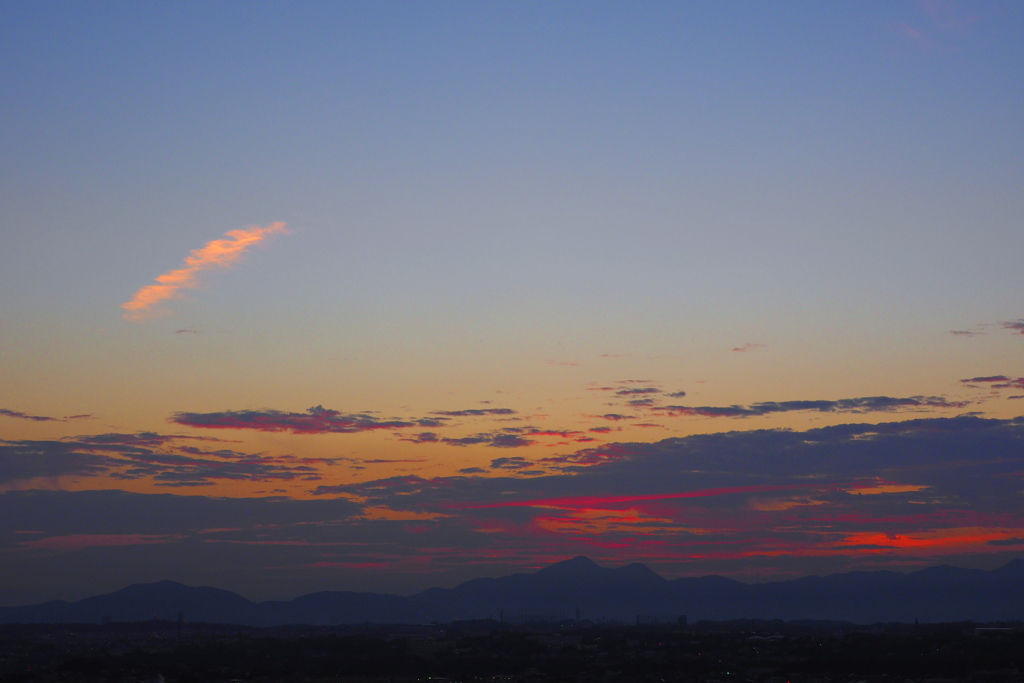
{"points": [[580, 587]]}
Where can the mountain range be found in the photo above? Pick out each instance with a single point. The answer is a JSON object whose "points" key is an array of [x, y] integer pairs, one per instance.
{"points": [[579, 587]]}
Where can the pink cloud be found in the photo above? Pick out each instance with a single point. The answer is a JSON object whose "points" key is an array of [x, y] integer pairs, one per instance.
{"points": [[221, 253]]}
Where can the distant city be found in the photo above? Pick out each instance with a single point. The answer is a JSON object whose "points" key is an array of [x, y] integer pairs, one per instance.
{"points": [[741, 651]]}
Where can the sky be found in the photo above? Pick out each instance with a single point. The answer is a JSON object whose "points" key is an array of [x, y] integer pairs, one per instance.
{"points": [[385, 296]]}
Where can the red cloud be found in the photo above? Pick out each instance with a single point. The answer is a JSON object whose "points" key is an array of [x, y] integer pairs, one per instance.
{"points": [[597, 501]]}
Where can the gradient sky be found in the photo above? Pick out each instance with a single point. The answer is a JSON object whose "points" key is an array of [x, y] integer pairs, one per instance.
{"points": [[381, 296]]}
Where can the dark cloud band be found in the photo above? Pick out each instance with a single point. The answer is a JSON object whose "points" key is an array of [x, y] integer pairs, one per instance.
{"points": [[847, 405], [316, 420]]}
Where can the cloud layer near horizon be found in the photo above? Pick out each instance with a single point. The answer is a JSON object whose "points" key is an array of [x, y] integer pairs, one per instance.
{"points": [[828, 499], [220, 253], [832, 497]]}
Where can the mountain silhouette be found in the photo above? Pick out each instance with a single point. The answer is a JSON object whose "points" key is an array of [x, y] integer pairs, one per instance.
{"points": [[141, 602], [557, 591], [579, 586]]}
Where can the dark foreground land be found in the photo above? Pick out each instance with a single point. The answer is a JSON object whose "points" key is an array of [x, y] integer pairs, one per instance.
{"points": [[708, 652]]}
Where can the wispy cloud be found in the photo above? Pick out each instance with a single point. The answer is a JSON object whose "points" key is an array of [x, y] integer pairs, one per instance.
{"points": [[938, 23], [987, 378], [864, 404], [1016, 326], [995, 382], [422, 437], [637, 391], [494, 440], [507, 437], [316, 420], [42, 418], [474, 412], [25, 416], [320, 420], [748, 347], [514, 463], [220, 253], [1013, 326], [649, 398], [947, 14], [563, 433]]}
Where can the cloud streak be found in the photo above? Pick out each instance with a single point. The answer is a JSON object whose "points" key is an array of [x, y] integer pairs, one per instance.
{"points": [[222, 253], [995, 382], [864, 404], [42, 418], [474, 412], [503, 439], [25, 416], [316, 420], [637, 391]]}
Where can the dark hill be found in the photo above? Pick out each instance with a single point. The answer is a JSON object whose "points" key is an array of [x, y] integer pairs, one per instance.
{"points": [[557, 591], [141, 602], [599, 593]]}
